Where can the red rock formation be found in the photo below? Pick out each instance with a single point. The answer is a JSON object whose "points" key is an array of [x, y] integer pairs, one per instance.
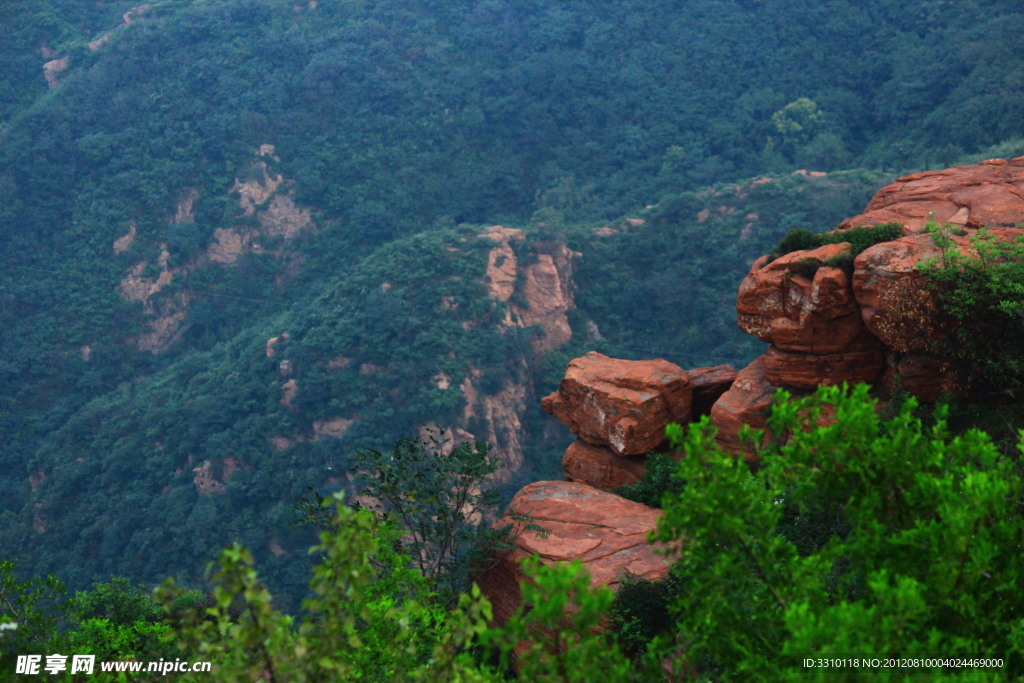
{"points": [[809, 370], [546, 293], [922, 375], [708, 384], [622, 404], [823, 326], [895, 302], [826, 329], [779, 305], [746, 402], [599, 467], [608, 533], [813, 322], [990, 193]]}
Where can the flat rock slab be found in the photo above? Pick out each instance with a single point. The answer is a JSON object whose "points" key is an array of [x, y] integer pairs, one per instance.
{"points": [[607, 532], [990, 193]]}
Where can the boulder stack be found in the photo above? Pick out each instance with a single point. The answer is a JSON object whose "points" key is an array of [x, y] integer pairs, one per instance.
{"points": [[825, 323], [619, 410], [621, 404]]}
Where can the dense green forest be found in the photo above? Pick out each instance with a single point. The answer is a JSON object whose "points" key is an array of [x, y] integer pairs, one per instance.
{"points": [[213, 175]]}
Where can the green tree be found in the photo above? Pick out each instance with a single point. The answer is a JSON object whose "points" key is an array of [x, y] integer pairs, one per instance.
{"points": [[798, 122], [438, 493], [30, 612], [118, 620], [371, 615]]}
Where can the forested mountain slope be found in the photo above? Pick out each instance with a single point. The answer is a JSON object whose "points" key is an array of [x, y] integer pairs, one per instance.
{"points": [[201, 177], [152, 477]]}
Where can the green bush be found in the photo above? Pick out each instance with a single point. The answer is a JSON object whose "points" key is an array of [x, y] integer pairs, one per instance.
{"points": [[985, 296], [843, 262], [657, 482], [863, 237], [797, 239], [860, 238], [29, 610], [917, 555], [805, 267], [641, 611]]}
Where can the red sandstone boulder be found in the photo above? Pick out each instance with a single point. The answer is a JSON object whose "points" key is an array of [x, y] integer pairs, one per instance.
{"points": [[924, 376], [707, 385], [886, 280], [746, 402], [599, 467], [990, 193], [796, 370], [621, 404], [779, 305], [895, 303], [606, 532]]}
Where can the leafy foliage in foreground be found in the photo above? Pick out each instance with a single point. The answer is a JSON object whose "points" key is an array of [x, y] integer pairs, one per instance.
{"points": [[371, 616], [659, 481], [857, 536], [925, 562], [374, 617], [114, 620]]}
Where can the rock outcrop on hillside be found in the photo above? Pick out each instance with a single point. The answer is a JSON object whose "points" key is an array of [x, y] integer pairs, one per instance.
{"points": [[543, 284], [823, 326], [261, 196], [535, 283], [878, 326]]}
